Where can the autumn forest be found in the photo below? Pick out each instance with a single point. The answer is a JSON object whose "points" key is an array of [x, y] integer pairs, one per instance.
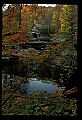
{"points": [[39, 60]]}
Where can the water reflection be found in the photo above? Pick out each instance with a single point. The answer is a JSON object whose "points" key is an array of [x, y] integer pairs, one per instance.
{"points": [[34, 85], [38, 85]]}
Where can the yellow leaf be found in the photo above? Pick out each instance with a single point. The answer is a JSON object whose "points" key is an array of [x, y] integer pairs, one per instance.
{"points": [[45, 108]]}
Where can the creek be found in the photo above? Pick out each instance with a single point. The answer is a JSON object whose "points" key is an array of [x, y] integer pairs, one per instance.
{"points": [[33, 84]]}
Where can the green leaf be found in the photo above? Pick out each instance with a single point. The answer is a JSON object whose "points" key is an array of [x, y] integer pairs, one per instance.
{"points": [[66, 113]]}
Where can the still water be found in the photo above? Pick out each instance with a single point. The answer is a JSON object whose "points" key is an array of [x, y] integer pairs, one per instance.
{"points": [[35, 85]]}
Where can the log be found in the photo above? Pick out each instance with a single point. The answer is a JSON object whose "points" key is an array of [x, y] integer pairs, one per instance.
{"points": [[70, 91]]}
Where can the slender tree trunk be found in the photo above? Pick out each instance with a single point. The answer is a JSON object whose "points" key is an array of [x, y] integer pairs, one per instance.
{"points": [[20, 16]]}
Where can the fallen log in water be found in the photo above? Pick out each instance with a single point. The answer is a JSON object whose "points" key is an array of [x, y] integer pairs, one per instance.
{"points": [[70, 91]]}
